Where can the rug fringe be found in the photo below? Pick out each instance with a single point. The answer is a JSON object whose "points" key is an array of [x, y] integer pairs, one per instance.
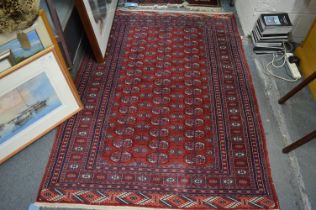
{"points": [[172, 11], [184, 5], [201, 8]]}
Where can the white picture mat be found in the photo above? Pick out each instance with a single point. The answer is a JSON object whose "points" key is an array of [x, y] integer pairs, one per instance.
{"points": [[47, 64], [102, 38]]}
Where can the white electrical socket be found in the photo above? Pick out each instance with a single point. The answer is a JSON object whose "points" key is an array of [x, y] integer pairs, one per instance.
{"points": [[292, 67]]}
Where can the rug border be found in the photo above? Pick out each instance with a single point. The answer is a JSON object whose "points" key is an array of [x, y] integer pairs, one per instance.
{"points": [[256, 103], [59, 128], [256, 108]]}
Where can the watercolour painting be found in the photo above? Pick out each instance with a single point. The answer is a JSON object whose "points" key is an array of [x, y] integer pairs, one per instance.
{"points": [[26, 104], [18, 52]]}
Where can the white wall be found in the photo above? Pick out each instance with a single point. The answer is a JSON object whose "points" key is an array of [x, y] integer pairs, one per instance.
{"points": [[301, 12]]}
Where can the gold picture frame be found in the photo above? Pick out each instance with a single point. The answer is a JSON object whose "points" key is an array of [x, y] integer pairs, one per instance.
{"points": [[34, 98], [40, 34], [36, 94]]}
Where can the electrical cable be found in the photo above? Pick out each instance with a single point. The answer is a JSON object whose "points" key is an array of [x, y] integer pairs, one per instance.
{"points": [[276, 59]]}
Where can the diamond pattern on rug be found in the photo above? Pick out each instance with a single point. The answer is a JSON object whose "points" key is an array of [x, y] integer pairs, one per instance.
{"points": [[170, 121]]}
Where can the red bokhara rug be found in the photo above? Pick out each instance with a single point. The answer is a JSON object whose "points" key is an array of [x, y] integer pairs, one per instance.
{"points": [[170, 121]]}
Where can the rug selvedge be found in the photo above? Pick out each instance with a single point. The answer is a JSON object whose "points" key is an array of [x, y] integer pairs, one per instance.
{"points": [[170, 121]]}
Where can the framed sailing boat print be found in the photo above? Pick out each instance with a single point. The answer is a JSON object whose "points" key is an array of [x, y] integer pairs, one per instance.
{"points": [[34, 98]]}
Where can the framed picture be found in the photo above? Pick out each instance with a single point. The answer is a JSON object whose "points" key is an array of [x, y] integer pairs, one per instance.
{"points": [[36, 36], [34, 98], [6, 60], [21, 53], [97, 18]]}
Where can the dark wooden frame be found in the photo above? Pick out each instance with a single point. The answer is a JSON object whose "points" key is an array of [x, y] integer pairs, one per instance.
{"points": [[282, 100], [89, 31], [297, 88], [60, 38], [299, 142]]}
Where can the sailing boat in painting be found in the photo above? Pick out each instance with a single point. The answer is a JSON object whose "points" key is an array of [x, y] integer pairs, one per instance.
{"points": [[26, 104], [27, 114]]}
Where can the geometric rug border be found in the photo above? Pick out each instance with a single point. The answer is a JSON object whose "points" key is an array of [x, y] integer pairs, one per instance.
{"points": [[72, 198]]}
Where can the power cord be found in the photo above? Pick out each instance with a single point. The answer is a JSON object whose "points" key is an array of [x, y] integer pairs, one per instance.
{"points": [[277, 58]]}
